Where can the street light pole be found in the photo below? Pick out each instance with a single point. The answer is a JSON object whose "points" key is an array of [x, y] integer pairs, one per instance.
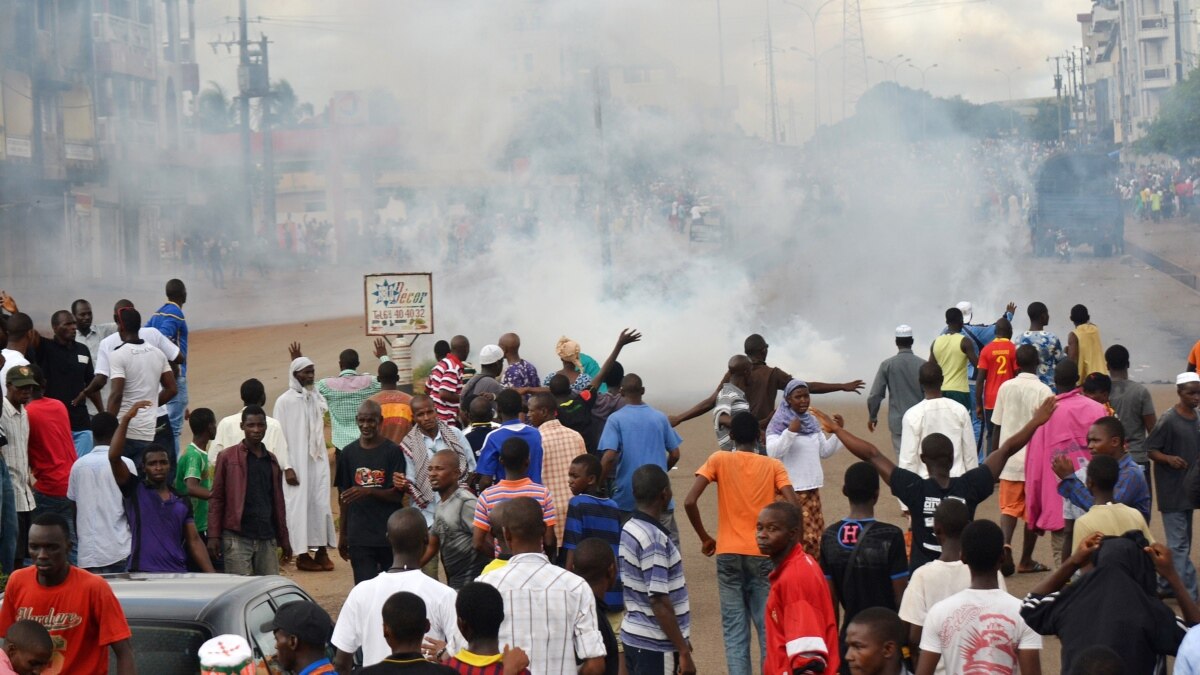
{"points": [[812, 23], [721, 58], [1008, 78]]}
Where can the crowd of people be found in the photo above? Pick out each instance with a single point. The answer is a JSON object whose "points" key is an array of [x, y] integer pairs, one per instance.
{"points": [[543, 500]]}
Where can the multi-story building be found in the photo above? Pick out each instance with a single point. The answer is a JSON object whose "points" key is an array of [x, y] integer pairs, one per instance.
{"points": [[1137, 51], [47, 139], [91, 140]]}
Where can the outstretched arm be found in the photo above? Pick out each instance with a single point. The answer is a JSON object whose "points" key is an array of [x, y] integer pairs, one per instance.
{"points": [[858, 447], [698, 409], [116, 460], [855, 386], [995, 461], [627, 336]]}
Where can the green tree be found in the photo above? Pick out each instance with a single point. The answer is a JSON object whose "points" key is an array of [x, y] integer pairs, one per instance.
{"points": [[1044, 126], [1175, 130], [286, 108], [214, 110]]}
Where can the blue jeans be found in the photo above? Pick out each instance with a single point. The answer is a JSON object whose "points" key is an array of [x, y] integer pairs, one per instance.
{"points": [[83, 442], [9, 525], [646, 662], [63, 507], [976, 423], [134, 449], [1178, 526], [175, 409], [742, 586]]}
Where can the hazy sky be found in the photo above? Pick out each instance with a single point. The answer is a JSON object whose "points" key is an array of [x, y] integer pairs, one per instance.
{"points": [[398, 44]]}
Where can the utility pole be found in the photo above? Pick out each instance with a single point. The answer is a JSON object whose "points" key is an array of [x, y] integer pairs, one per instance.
{"points": [[267, 103], [1084, 130], [1058, 83], [244, 115], [1178, 47]]}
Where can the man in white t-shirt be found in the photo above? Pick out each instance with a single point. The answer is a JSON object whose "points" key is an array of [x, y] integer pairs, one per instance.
{"points": [[1016, 401], [980, 629], [360, 623], [139, 372], [937, 580], [105, 349], [936, 414]]}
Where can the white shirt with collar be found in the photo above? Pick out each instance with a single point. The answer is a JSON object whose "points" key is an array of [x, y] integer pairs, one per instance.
{"points": [[229, 433], [941, 416], [16, 454], [100, 520], [548, 611], [360, 623]]}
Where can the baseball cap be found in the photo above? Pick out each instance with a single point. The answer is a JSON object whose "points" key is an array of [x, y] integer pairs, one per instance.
{"points": [[1181, 379], [21, 376], [304, 619], [904, 331], [490, 354], [966, 309]]}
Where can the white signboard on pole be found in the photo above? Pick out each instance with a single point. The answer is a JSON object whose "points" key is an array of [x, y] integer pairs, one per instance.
{"points": [[398, 304]]}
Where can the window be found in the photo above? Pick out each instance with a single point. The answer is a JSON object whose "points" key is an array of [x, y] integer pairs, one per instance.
{"points": [[163, 647], [263, 644], [1151, 7], [1153, 52]]}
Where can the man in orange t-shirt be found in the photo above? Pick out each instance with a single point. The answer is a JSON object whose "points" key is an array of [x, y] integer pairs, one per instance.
{"points": [[997, 365], [395, 404], [747, 482], [76, 606], [1194, 358]]}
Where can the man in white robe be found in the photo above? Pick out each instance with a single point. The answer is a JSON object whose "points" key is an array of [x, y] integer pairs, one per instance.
{"points": [[301, 412]]}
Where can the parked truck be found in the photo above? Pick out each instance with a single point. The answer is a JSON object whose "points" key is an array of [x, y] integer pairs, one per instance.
{"points": [[1075, 203]]}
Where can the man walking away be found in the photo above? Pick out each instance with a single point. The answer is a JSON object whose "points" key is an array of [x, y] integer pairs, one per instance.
{"points": [[1133, 406], [954, 352], [898, 376], [169, 321], [1050, 349]]}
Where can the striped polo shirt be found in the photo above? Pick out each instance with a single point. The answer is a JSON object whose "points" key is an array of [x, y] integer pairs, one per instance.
{"points": [[650, 565], [511, 489], [447, 375], [590, 516]]}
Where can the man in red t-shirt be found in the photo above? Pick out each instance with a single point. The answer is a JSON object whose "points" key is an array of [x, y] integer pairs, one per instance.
{"points": [[76, 606], [51, 454], [997, 365], [802, 634]]}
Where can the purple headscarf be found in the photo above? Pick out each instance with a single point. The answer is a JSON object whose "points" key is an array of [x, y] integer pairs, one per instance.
{"points": [[784, 415]]}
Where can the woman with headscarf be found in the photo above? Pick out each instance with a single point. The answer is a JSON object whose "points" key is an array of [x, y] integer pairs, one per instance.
{"points": [[1113, 603], [301, 414], [794, 436], [573, 367]]}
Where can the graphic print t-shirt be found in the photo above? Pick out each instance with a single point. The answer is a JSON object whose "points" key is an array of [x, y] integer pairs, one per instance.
{"points": [[978, 632], [372, 469], [82, 615]]}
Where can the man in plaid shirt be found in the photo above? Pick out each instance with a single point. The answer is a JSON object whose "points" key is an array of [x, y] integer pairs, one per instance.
{"points": [[560, 446], [347, 391]]}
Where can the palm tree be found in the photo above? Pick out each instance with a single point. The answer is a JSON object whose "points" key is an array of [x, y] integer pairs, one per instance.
{"points": [[214, 110]]}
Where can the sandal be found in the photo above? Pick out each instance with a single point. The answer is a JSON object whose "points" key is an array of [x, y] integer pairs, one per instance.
{"points": [[1007, 567], [1037, 567]]}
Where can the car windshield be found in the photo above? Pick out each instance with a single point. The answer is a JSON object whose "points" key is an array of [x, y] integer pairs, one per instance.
{"points": [[166, 648]]}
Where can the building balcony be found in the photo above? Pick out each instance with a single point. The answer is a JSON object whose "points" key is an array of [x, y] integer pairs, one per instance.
{"points": [[111, 28]]}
